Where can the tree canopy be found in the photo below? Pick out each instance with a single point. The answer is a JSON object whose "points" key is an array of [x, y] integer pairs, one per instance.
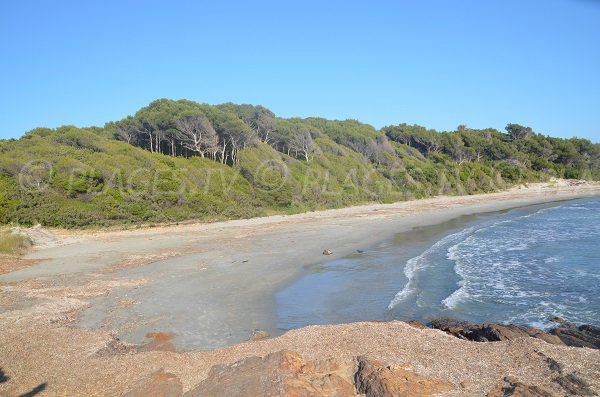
{"points": [[178, 160]]}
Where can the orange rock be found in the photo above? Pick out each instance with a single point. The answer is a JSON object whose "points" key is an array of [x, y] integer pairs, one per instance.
{"points": [[279, 374], [375, 379], [161, 341]]}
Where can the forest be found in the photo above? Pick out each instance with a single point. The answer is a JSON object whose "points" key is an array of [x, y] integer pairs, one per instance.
{"points": [[175, 161]]}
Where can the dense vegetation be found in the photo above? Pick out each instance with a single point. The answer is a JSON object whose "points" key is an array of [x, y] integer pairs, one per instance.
{"points": [[180, 160]]}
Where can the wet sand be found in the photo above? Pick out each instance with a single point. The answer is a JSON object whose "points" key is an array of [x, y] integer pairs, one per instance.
{"points": [[83, 288], [213, 284]]}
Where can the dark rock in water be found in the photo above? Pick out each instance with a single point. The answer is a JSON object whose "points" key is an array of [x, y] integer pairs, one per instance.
{"points": [[283, 373], [258, 334], [566, 334], [375, 379], [491, 332], [583, 336], [558, 320], [512, 387]]}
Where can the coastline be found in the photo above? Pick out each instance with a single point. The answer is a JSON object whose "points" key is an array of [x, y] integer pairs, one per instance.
{"points": [[239, 265], [234, 269], [366, 284]]}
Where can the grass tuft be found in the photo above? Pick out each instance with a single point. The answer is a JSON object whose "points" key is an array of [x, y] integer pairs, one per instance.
{"points": [[12, 243]]}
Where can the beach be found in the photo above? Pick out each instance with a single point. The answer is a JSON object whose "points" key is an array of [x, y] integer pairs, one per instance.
{"points": [[79, 290]]}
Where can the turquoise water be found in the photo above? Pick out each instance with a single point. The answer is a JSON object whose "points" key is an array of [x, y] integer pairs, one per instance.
{"points": [[521, 266]]}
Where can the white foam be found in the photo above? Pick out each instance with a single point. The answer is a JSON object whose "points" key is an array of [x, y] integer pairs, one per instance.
{"points": [[458, 296], [409, 271], [552, 259], [494, 266], [459, 258], [518, 247], [418, 263]]}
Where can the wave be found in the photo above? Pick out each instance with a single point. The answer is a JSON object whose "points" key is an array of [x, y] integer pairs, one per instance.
{"points": [[458, 296], [454, 254], [418, 263], [414, 265], [513, 264], [506, 267], [475, 245]]}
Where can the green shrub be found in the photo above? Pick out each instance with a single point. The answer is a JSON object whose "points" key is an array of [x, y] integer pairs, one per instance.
{"points": [[82, 177]]}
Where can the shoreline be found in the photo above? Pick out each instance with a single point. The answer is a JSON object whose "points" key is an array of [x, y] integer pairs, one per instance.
{"points": [[563, 187], [233, 269], [122, 284], [330, 281]]}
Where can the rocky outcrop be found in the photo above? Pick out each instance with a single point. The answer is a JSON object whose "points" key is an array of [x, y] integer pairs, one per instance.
{"points": [[279, 374], [574, 385], [491, 332], [158, 341], [158, 384], [513, 388], [417, 324], [583, 336], [374, 379], [567, 385], [565, 334], [286, 373]]}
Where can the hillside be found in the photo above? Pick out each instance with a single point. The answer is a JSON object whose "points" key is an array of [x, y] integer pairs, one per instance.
{"points": [[180, 160]]}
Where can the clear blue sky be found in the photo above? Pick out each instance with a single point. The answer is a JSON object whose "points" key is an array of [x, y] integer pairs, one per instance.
{"points": [[435, 63]]}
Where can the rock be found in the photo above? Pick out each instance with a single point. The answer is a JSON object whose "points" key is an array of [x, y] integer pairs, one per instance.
{"points": [[491, 332], [3, 377], [546, 337], [558, 320], [159, 384], [511, 387], [327, 252], [583, 336], [258, 334], [114, 347], [417, 324], [159, 341], [566, 334], [574, 385], [283, 373], [375, 379], [571, 383]]}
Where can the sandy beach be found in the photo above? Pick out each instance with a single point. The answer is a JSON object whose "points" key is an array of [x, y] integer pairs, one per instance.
{"points": [[63, 308]]}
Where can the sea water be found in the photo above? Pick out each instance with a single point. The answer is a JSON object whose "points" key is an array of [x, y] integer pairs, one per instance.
{"points": [[522, 266]]}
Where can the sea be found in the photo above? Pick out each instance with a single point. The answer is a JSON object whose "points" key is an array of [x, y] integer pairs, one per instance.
{"points": [[526, 266]]}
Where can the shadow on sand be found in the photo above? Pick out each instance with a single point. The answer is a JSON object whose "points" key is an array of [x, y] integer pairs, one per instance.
{"points": [[35, 391]]}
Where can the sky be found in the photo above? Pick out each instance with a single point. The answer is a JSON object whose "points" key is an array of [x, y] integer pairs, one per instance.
{"points": [[434, 63]]}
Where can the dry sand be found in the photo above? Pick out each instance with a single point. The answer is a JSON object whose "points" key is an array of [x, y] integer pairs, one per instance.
{"points": [[242, 263]]}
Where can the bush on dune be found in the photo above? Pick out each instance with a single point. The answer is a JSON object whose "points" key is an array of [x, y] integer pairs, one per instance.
{"points": [[180, 160]]}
